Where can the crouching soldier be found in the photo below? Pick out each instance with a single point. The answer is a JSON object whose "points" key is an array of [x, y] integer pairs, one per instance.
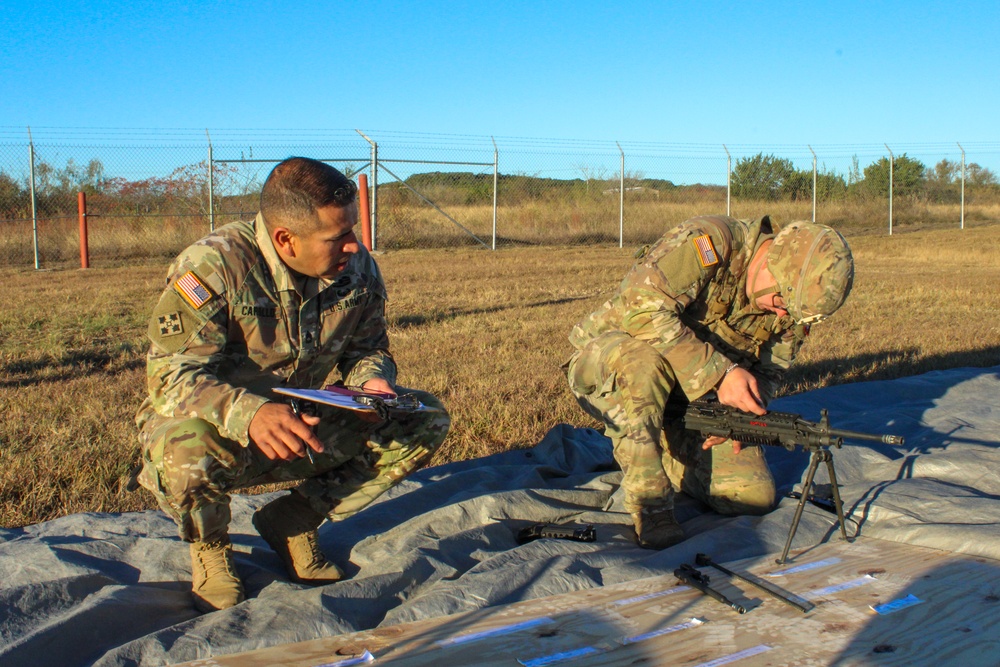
{"points": [[716, 305], [289, 299]]}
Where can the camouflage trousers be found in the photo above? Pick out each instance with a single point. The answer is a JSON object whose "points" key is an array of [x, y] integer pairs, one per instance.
{"points": [[626, 384], [191, 469]]}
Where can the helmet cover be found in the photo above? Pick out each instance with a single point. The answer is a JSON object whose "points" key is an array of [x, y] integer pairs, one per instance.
{"points": [[814, 270]]}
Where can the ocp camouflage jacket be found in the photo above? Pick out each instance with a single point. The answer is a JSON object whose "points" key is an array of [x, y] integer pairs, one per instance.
{"points": [[686, 297], [231, 326]]}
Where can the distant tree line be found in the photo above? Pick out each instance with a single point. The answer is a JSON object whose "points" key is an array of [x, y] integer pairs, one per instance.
{"points": [[467, 188], [772, 178], [184, 191], [761, 177]]}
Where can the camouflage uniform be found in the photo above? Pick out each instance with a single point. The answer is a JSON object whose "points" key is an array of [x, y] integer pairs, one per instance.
{"points": [[232, 324], [680, 319]]}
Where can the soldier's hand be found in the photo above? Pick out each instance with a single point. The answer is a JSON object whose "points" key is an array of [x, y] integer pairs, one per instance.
{"points": [[381, 386], [713, 440], [281, 434], [739, 390]]}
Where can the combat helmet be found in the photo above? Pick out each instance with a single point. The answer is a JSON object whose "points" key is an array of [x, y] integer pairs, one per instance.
{"points": [[814, 270]]}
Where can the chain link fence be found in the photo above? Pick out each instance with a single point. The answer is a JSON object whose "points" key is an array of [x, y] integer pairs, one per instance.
{"points": [[152, 200]]}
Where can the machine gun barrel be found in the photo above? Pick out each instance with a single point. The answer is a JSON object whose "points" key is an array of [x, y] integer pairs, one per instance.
{"points": [[872, 437], [782, 429]]}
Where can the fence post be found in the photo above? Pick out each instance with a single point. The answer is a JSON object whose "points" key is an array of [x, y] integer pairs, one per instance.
{"points": [[374, 195], [621, 200], [961, 224], [34, 197], [891, 160], [496, 178], [374, 213], [729, 178], [374, 188], [814, 180], [211, 185], [366, 220], [81, 206]]}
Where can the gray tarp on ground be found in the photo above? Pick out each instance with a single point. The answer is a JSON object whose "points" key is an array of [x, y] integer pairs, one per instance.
{"points": [[113, 589]]}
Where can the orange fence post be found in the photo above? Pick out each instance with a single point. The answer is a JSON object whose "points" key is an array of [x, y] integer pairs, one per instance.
{"points": [[363, 212], [81, 204]]}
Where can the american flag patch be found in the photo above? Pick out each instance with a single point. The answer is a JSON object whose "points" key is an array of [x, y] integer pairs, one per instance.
{"points": [[193, 290], [706, 251]]}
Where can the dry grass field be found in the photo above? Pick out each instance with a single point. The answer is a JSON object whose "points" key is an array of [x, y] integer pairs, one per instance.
{"points": [[484, 330], [523, 224]]}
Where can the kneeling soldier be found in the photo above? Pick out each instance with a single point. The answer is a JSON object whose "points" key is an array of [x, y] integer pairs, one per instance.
{"points": [[290, 299], [716, 305]]}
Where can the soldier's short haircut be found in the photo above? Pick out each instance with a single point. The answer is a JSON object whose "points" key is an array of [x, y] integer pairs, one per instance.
{"points": [[296, 187]]}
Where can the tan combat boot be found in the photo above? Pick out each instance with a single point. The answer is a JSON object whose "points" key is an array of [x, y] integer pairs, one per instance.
{"points": [[214, 582], [656, 528], [289, 525]]}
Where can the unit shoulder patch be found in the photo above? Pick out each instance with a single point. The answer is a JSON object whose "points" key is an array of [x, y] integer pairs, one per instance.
{"points": [[170, 324], [706, 250], [193, 290]]}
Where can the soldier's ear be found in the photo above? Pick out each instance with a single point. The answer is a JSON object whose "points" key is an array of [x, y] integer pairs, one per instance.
{"points": [[284, 242]]}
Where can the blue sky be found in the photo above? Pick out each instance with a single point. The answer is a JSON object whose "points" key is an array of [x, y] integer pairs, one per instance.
{"points": [[773, 74], [845, 72]]}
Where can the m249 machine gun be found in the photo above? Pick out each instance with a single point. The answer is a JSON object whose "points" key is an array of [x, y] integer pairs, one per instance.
{"points": [[782, 429]]}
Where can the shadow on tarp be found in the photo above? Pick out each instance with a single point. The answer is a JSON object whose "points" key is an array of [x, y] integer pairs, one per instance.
{"points": [[952, 444], [896, 407], [951, 619], [430, 547]]}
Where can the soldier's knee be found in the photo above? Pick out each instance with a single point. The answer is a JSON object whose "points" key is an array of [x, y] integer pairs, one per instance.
{"points": [[188, 462], [436, 421], [635, 364], [644, 366], [754, 499]]}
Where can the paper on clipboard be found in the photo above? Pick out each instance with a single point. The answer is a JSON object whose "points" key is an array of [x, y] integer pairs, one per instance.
{"points": [[360, 401]]}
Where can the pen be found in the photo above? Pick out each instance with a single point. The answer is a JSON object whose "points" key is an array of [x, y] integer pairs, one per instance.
{"points": [[297, 409]]}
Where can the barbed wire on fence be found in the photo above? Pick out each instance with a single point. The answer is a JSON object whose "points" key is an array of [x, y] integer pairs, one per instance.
{"points": [[152, 192]]}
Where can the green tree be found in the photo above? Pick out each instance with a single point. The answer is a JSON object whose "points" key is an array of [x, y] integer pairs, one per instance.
{"points": [[797, 185], [907, 176], [15, 200], [762, 177], [73, 178], [940, 182], [944, 172], [854, 175], [830, 186], [978, 176]]}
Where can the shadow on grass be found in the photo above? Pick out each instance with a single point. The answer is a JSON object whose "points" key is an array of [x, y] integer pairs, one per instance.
{"points": [[407, 321], [69, 366], [884, 366]]}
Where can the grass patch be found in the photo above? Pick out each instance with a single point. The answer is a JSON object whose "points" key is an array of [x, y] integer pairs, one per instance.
{"points": [[484, 330]]}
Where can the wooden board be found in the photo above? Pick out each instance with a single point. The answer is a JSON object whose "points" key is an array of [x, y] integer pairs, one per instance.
{"points": [[656, 621]]}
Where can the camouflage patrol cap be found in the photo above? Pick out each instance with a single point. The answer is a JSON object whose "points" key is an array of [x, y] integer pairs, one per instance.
{"points": [[814, 269]]}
